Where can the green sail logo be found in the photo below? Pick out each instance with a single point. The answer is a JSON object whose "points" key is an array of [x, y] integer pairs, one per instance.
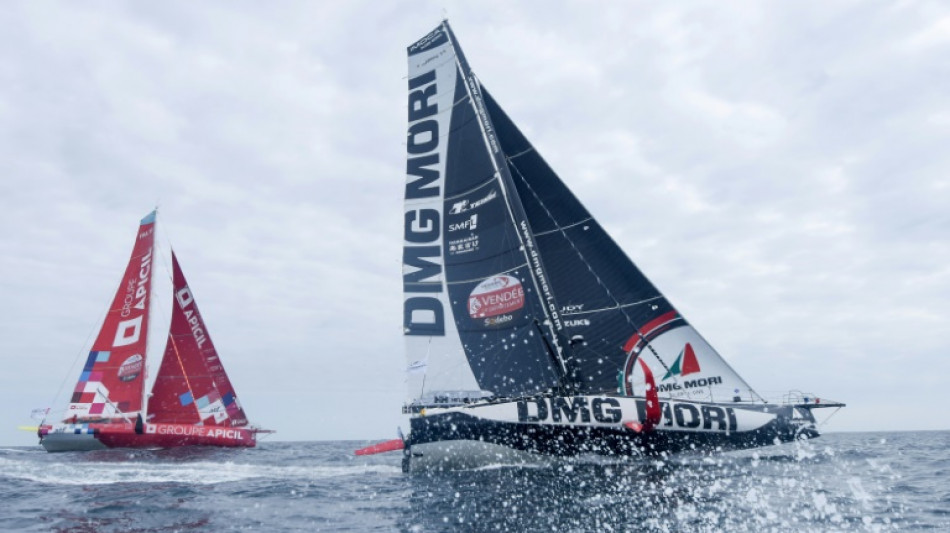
{"points": [[684, 365]]}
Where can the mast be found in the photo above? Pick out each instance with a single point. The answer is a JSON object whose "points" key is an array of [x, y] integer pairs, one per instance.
{"points": [[516, 211], [148, 327]]}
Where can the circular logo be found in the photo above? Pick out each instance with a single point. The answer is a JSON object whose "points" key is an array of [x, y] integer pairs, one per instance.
{"points": [[131, 368], [496, 295]]}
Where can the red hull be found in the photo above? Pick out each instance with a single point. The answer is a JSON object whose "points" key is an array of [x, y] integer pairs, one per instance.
{"points": [[152, 436]]}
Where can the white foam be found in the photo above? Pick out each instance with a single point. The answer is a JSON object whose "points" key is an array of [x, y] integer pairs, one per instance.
{"points": [[201, 473]]}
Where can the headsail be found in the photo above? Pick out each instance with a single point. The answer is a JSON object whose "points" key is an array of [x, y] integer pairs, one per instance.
{"points": [[605, 299], [112, 382], [191, 386], [508, 279]]}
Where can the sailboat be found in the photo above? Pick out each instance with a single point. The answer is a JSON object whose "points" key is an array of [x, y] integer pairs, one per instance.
{"points": [[192, 401], [528, 331]]}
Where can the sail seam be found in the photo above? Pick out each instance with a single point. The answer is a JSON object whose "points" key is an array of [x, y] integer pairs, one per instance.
{"points": [[489, 181], [464, 281]]}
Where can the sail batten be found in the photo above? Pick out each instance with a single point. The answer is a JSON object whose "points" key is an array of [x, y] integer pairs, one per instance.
{"points": [[489, 181]]}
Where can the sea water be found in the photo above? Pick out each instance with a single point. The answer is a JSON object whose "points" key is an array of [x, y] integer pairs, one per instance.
{"points": [[840, 482]]}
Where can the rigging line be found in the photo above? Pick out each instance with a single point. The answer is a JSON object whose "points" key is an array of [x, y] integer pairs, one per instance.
{"points": [[521, 153], [72, 367], [613, 308], [833, 413], [114, 406], [562, 228], [589, 267], [422, 390], [181, 365]]}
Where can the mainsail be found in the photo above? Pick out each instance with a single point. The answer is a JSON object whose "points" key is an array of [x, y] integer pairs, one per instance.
{"points": [[511, 287], [112, 383], [191, 386]]}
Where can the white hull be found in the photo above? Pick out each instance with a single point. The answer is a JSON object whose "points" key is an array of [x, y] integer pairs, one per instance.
{"points": [[469, 454], [71, 442]]}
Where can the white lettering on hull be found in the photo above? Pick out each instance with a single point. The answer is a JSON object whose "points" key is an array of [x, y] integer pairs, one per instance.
{"points": [[194, 431]]}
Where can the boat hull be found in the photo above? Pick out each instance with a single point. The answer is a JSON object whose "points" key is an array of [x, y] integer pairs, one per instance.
{"points": [[535, 429], [85, 437]]}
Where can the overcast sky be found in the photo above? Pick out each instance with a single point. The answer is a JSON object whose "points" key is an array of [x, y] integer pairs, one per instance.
{"points": [[780, 170]]}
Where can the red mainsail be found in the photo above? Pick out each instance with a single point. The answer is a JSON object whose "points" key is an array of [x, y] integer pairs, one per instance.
{"points": [[191, 386], [112, 382]]}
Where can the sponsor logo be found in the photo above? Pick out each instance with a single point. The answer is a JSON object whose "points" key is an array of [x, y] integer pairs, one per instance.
{"points": [[581, 322], [129, 331], [425, 41], [692, 416], [470, 224], [422, 254], [463, 246], [685, 364], [572, 308], [185, 299], [131, 368], [498, 320], [137, 289], [539, 276], [193, 431], [597, 410], [576, 409], [495, 296], [463, 206], [689, 384]]}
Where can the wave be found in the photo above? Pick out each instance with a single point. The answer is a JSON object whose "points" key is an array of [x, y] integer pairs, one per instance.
{"points": [[197, 473]]}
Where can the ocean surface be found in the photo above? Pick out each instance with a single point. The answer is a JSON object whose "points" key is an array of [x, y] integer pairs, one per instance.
{"points": [[840, 482]]}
